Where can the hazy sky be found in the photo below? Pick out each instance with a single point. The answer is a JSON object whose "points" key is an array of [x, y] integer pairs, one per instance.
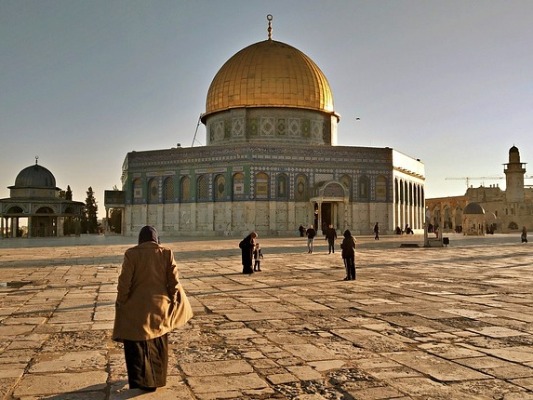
{"points": [[84, 82]]}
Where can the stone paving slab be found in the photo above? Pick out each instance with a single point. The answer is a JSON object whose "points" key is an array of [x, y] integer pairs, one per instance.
{"points": [[419, 323]]}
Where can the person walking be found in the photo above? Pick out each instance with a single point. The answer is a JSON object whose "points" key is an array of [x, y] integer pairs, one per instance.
{"points": [[376, 231], [247, 246], [331, 235], [523, 236], [348, 255], [258, 255], [311, 233], [147, 292]]}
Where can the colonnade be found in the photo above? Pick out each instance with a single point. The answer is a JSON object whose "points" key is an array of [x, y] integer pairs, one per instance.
{"points": [[9, 227], [409, 204]]}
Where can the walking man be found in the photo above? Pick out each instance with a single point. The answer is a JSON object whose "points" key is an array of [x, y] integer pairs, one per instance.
{"points": [[311, 233], [331, 235]]}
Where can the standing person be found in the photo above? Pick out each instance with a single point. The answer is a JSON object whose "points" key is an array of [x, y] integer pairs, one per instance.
{"points": [[258, 255], [311, 233], [331, 235], [348, 255], [247, 246], [523, 236], [301, 229], [376, 231], [147, 291]]}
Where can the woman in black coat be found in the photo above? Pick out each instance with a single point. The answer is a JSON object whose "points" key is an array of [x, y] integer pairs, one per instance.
{"points": [[247, 246], [348, 255]]}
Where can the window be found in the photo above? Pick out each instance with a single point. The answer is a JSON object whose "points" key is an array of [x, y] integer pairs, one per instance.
{"points": [[300, 190], [364, 187], [261, 185], [238, 184], [202, 188], [282, 186], [381, 188], [220, 187], [168, 190], [153, 191], [185, 189]]}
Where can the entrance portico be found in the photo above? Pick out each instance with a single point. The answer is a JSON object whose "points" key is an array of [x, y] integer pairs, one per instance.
{"points": [[330, 205]]}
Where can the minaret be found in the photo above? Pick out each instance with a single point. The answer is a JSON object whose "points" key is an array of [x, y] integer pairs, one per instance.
{"points": [[514, 177]]}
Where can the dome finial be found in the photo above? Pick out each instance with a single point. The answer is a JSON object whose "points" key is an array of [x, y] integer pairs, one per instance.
{"points": [[269, 19], [36, 160]]}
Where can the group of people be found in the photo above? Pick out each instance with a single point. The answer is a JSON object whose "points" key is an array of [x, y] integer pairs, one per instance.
{"points": [[150, 301], [251, 254]]}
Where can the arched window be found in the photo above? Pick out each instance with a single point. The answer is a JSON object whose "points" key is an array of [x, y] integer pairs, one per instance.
{"points": [[261, 185], [137, 190], [202, 188], [282, 186], [301, 188], [153, 191], [364, 187], [381, 188], [220, 187], [185, 189], [238, 185], [168, 190]]}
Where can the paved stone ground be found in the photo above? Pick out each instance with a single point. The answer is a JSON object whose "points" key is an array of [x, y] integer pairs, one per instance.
{"points": [[419, 323]]}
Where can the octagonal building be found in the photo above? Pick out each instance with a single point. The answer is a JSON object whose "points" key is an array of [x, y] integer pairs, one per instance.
{"points": [[271, 162]]}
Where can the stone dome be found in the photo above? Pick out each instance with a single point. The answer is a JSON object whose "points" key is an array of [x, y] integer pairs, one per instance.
{"points": [[35, 176], [473, 208], [269, 74]]}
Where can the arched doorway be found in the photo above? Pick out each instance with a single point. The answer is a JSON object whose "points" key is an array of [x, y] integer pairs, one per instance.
{"points": [[44, 223], [329, 205]]}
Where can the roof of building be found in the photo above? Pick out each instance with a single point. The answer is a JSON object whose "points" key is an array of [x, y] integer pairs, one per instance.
{"points": [[35, 176], [269, 74]]}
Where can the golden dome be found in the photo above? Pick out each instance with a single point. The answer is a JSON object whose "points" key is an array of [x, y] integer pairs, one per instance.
{"points": [[269, 74]]}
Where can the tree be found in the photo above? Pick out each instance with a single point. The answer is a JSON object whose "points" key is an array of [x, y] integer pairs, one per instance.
{"points": [[89, 221], [67, 195]]}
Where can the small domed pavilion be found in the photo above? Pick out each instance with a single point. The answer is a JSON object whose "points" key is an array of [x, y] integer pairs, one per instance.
{"points": [[36, 198], [474, 220]]}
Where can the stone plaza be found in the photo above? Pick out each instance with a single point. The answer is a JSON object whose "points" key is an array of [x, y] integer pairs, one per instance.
{"points": [[418, 323]]}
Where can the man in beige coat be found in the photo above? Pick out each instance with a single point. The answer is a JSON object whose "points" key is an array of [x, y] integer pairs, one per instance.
{"points": [[147, 293]]}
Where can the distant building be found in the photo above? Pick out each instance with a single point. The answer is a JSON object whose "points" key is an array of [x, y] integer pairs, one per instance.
{"points": [[36, 201], [504, 211], [271, 162]]}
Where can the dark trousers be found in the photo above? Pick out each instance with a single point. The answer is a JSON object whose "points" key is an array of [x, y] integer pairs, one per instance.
{"points": [[349, 264], [146, 362], [331, 246]]}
